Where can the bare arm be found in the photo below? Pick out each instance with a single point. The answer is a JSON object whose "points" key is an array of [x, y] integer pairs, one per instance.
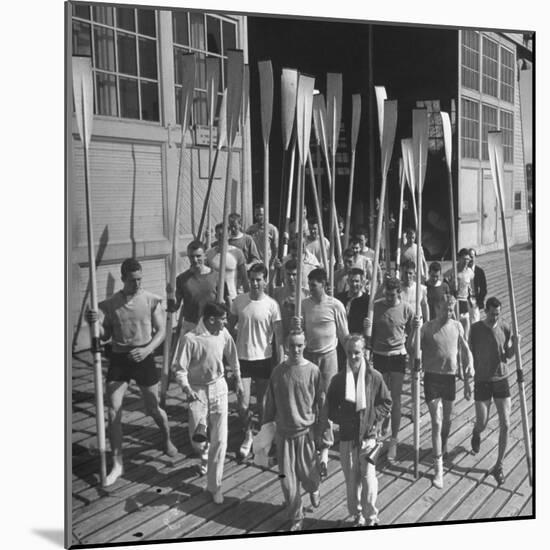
{"points": [[278, 333]]}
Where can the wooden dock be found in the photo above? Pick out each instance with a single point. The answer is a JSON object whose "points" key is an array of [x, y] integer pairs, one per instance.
{"points": [[159, 498]]}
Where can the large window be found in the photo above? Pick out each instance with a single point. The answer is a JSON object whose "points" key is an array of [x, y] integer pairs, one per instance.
{"points": [[507, 127], [470, 129], [122, 43], [488, 122], [490, 67], [206, 36], [506, 75], [470, 59]]}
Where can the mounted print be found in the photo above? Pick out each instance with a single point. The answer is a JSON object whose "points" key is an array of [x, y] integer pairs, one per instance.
{"points": [[300, 287]]}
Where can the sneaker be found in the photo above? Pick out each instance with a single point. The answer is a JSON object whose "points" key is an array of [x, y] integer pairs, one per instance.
{"points": [[246, 445], [392, 450], [217, 497], [315, 499], [323, 470], [359, 520], [498, 473], [296, 525], [170, 449], [476, 442]]}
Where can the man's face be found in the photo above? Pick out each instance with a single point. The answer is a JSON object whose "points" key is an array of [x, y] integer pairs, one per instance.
{"points": [[234, 226], [356, 247], [410, 237], [316, 288], [219, 234], [257, 282], [314, 230], [472, 258], [348, 262], [355, 283], [296, 345], [216, 324], [362, 240], [446, 310], [433, 276], [354, 353], [392, 296], [291, 276], [492, 314], [132, 282], [408, 276], [196, 258], [463, 261], [259, 215]]}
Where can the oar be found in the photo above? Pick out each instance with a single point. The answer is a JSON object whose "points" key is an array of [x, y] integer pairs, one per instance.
{"points": [[212, 87], [243, 119], [304, 106], [400, 222], [318, 213], [406, 151], [355, 121], [222, 137], [496, 158], [420, 152], [235, 69], [334, 113], [83, 92], [381, 96], [188, 84], [388, 133], [266, 111], [289, 88]]}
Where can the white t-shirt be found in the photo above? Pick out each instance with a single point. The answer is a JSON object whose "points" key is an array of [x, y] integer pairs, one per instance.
{"points": [[256, 319], [234, 258]]}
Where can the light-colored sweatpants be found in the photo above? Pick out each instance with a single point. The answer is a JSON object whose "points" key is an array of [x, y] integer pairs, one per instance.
{"points": [[297, 461], [212, 411], [361, 482]]}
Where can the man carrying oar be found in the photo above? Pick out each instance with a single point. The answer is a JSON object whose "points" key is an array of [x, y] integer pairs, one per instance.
{"points": [[492, 343], [134, 321], [256, 231]]}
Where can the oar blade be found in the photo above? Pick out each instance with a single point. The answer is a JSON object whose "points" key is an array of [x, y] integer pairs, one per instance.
{"points": [[334, 108], [496, 160], [406, 153], [289, 90], [222, 122], [235, 70], [304, 111], [246, 95], [83, 92], [420, 145], [388, 133], [212, 85], [355, 119], [320, 121], [447, 138], [381, 96], [188, 67], [266, 97]]}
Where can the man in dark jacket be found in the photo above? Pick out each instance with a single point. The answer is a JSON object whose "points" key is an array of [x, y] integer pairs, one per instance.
{"points": [[358, 400], [479, 288]]}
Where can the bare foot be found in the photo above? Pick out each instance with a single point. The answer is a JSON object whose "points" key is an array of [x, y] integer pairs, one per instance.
{"points": [[170, 449]]}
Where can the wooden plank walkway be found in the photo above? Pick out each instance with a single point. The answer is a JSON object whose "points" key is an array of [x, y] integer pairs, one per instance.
{"points": [[160, 498]]}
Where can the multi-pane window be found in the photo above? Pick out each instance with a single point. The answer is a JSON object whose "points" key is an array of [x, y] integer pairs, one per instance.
{"points": [[507, 128], [206, 36], [122, 43], [470, 129], [488, 122], [506, 75], [490, 67], [470, 59]]}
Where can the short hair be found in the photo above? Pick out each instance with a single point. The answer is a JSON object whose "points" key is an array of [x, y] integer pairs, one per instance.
{"points": [[214, 309], [291, 264], [492, 302], [408, 264], [463, 252], [355, 240], [356, 271], [195, 245], [348, 253], [312, 220], [410, 231], [294, 332], [392, 283], [318, 274], [361, 230], [218, 226], [470, 250], [258, 268], [234, 216], [355, 337], [435, 266], [258, 205], [129, 265]]}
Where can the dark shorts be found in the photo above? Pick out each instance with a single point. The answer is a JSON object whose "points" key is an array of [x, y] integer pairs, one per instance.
{"points": [[390, 363], [256, 369], [484, 391], [462, 307], [441, 386], [123, 369]]}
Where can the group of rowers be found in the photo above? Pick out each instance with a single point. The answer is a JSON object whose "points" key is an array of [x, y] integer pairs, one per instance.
{"points": [[311, 372]]}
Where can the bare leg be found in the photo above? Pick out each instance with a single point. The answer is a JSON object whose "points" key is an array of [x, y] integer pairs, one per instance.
{"points": [[482, 415], [436, 414], [115, 396], [446, 424], [152, 408], [503, 406], [396, 387]]}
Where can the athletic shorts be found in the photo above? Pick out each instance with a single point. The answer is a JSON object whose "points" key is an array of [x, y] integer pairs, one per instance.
{"points": [[463, 307], [484, 391], [123, 369], [256, 369], [390, 363], [441, 386]]}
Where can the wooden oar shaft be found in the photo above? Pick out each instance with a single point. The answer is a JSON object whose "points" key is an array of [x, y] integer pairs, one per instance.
{"points": [[387, 233], [300, 269], [333, 224], [208, 193], [222, 247], [318, 214], [350, 201], [399, 227], [453, 235], [266, 250], [289, 202]]}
